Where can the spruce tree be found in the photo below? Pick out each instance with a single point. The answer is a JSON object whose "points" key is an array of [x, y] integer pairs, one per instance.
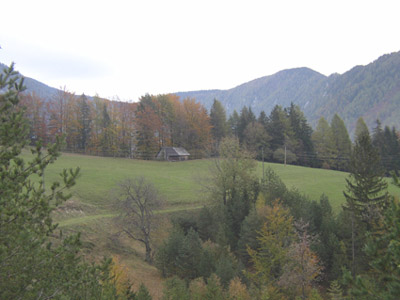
{"points": [[233, 124], [84, 120], [361, 128], [365, 194], [342, 142], [218, 122]]}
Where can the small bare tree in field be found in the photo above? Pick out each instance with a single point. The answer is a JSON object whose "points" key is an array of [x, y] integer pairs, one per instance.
{"points": [[137, 199]]}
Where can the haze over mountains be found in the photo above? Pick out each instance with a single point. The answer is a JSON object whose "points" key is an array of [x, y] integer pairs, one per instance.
{"points": [[371, 91]]}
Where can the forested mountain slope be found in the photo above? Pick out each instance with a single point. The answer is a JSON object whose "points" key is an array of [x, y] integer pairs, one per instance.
{"points": [[371, 91]]}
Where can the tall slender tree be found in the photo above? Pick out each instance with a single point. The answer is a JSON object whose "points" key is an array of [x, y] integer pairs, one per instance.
{"points": [[324, 142], [84, 122], [366, 194], [218, 122], [342, 142]]}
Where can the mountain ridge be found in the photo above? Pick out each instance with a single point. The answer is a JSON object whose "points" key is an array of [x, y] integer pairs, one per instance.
{"points": [[371, 91]]}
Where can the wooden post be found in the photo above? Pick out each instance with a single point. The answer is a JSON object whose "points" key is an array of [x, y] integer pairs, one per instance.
{"points": [[285, 155], [262, 151]]}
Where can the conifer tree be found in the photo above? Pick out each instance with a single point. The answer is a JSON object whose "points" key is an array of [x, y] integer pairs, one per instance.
{"points": [[325, 143], [84, 121], [218, 122], [342, 142], [361, 128], [233, 124], [365, 194]]}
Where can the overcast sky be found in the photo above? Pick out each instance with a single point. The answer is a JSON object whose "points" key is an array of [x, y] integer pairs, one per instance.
{"points": [[128, 48]]}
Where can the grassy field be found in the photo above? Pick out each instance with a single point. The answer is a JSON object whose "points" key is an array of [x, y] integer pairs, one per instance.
{"points": [[180, 183], [91, 209]]}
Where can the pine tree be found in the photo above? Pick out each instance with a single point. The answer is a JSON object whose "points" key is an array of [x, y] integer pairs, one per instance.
{"points": [[302, 133], [361, 128], [342, 142], [365, 194], [233, 124], [278, 127], [218, 122], [84, 120], [383, 254], [246, 117]]}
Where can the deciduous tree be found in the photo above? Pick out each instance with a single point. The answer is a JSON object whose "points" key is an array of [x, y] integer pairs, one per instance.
{"points": [[137, 199]]}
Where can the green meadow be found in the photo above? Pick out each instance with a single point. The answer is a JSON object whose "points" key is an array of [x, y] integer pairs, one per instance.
{"points": [[181, 184]]}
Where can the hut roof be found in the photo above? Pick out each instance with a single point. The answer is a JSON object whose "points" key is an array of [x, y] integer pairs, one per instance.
{"points": [[175, 151]]}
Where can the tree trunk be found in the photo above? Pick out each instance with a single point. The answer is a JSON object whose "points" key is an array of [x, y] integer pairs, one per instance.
{"points": [[148, 252], [353, 249]]}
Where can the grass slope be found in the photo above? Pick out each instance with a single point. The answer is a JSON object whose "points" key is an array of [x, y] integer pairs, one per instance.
{"points": [[91, 210], [180, 183]]}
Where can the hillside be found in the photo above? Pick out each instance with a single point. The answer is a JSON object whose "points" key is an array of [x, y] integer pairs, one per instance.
{"points": [[371, 91]]}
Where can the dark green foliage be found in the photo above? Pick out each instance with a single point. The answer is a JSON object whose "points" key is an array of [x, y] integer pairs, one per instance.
{"points": [[387, 143], [263, 119], [226, 268], [185, 222], [214, 289], [383, 254], [302, 132], [142, 293], [328, 245], [342, 142], [206, 224], [366, 193], [325, 144], [248, 235], [233, 124], [277, 127], [335, 291], [361, 129], [233, 189], [85, 121], [176, 289], [272, 187], [256, 140], [218, 122], [246, 117], [183, 255], [36, 262]]}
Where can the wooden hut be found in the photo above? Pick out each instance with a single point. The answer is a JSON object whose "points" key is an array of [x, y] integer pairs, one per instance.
{"points": [[173, 154]]}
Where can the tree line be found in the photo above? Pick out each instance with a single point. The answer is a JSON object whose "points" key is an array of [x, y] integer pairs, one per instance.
{"points": [[138, 130]]}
